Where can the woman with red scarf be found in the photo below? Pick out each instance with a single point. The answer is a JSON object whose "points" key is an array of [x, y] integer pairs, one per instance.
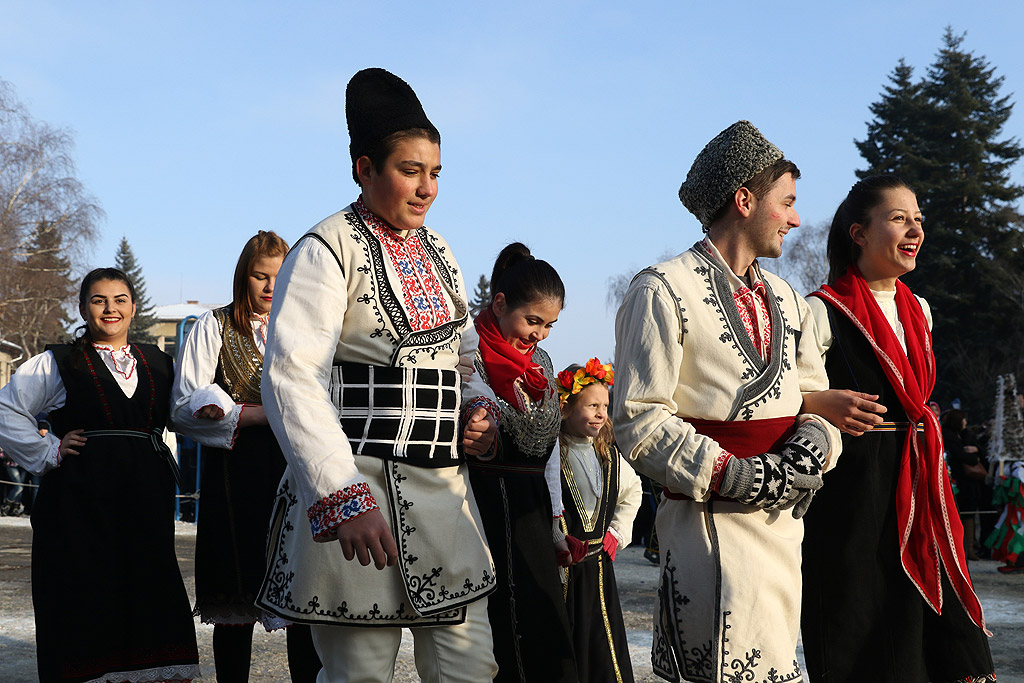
{"points": [[517, 484], [887, 595]]}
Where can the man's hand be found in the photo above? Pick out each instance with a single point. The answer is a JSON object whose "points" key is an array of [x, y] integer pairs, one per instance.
{"points": [[479, 432], [852, 412], [368, 537]]}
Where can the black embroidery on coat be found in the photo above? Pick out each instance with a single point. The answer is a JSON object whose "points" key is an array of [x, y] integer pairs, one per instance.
{"points": [[764, 379], [277, 585], [422, 583], [679, 302], [741, 669], [321, 240], [434, 340], [670, 650]]}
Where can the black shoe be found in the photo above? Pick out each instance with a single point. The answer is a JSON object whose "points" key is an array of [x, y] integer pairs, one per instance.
{"points": [[652, 556]]}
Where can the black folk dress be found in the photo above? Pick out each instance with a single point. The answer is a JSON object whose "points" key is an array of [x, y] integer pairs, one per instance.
{"points": [[529, 623], [238, 490], [108, 596], [591, 594], [863, 618]]}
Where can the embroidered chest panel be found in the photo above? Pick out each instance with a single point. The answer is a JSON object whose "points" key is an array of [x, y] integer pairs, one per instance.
{"points": [[241, 363], [422, 297], [410, 287], [720, 351]]}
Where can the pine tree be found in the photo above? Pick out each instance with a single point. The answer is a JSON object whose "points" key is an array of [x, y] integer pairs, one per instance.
{"points": [[942, 135], [38, 310], [894, 141], [144, 318], [481, 297]]}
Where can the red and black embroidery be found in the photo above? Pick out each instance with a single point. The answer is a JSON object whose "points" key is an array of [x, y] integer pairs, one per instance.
{"points": [[331, 511], [107, 413], [421, 291], [152, 388]]}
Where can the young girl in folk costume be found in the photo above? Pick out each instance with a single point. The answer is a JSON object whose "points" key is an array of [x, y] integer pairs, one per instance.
{"points": [[601, 494], [887, 596], [217, 402], [517, 484], [109, 601]]}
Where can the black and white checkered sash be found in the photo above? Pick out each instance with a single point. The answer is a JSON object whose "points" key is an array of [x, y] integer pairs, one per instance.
{"points": [[408, 414]]}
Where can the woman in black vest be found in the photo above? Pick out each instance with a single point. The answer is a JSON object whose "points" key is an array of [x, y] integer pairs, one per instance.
{"points": [[217, 402], [108, 596], [887, 595]]}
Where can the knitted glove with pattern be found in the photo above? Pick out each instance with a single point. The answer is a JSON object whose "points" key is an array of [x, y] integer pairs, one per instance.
{"points": [[805, 451], [762, 480]]}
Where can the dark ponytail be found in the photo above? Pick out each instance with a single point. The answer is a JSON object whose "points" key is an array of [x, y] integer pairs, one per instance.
{"points": [[856, 208], [524, 279]]}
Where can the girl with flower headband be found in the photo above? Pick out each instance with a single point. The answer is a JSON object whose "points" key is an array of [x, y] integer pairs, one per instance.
{"points": [[107, 593], [602, 495], [517, 484]]}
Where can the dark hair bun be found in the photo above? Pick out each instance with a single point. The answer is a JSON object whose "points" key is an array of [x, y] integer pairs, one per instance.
{"points": [[523, 279]]}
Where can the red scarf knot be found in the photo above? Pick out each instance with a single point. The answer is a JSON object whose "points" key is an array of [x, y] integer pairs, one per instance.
{"points": [[511, 374]]}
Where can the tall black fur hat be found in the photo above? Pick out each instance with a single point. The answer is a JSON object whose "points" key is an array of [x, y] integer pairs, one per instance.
{"points": [[377, 104]]}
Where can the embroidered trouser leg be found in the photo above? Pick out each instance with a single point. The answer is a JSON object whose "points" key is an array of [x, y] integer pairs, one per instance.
{"points": [[462, 653]]}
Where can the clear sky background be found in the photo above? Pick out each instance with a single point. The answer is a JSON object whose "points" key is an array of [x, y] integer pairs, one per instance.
{"points": [[567, 125]]}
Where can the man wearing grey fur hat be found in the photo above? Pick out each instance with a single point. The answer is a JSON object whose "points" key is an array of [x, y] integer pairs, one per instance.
{"points": [[714, 355]]}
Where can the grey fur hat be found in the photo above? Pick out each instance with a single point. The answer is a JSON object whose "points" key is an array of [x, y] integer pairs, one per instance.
{"points": [[733, 157]]}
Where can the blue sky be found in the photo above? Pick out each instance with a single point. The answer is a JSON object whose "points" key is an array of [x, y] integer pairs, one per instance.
{"points": [[567, 125]]}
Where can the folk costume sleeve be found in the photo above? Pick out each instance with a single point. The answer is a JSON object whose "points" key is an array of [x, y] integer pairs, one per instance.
{"points": [[655, 440], [35, 388], [306, 325], [811, 369], [822, 326], [628, 502], [194, 388], [475, 392]]}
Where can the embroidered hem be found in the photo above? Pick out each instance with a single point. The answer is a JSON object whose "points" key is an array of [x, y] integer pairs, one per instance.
{"points": [[176, 673], [332, 511], [233, 616]]}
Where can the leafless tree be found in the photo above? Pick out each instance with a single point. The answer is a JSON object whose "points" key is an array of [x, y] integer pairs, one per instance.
{"points": [[803, 262], [618, 284], [47, 220]]}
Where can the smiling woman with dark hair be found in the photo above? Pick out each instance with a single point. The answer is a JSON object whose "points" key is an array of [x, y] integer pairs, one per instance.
{"points": [[887, 595], [108, 596]]}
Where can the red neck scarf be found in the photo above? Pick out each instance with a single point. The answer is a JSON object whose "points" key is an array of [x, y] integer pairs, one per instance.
{"points": [[930, 531], [509, 372]]}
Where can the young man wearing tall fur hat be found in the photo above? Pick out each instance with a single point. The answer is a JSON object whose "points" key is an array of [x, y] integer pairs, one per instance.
{"points": [[375, 526], [714, 355]]}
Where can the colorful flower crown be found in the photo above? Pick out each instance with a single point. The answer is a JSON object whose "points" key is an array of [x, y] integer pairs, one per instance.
{"points": [[570, 382]]}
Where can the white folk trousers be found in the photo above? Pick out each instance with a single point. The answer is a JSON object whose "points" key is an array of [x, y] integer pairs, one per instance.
{"points": [[463, 653]]}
